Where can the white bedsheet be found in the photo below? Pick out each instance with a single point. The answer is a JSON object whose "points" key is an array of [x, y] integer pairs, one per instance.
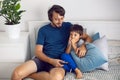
{"points": [[112, 74]]}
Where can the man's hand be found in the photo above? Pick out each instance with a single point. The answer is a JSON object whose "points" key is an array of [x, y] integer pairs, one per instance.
{"points": [[81, 51], [57, 62]]}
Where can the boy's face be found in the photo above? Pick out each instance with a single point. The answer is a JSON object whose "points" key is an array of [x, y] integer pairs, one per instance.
{"points": [[74, 35], [57, 20]]}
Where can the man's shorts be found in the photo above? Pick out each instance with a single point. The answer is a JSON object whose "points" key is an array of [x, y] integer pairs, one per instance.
{"points": [[42, 66]]}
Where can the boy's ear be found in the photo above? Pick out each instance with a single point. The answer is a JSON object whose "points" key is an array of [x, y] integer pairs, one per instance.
{"points": [[81, 34]]}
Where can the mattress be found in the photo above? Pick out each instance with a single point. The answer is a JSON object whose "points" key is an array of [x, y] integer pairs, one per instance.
{"points": [[112, 74]]}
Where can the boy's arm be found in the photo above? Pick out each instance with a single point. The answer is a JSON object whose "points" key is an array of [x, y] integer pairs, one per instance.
{"points": [[68, 49], [74, 46], [71, 45]]}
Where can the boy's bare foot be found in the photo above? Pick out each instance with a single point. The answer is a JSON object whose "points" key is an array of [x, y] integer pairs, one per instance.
{"points": [[78, 73]]}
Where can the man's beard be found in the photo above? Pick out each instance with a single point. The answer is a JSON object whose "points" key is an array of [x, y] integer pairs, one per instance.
{"points": [[57, 26]]}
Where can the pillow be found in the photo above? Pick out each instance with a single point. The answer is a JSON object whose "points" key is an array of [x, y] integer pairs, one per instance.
{"points": [[36, 29], [103, 46], [93, 58], [96, 36]]}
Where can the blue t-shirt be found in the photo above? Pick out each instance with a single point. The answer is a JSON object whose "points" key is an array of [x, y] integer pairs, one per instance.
{"points": [[53, 39]]}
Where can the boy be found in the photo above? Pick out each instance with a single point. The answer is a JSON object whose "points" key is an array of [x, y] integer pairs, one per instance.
{"points": [[76, 33]]}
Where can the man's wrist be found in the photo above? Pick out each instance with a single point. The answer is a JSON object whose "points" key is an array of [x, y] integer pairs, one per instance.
{"points": [[50, 61]]}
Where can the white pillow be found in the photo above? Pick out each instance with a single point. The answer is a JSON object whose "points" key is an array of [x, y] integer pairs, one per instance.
{"points": [[103, 46], [36, 29]]}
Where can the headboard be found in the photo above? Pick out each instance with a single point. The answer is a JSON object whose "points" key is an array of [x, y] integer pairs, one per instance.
{"points": [[109, 28]]}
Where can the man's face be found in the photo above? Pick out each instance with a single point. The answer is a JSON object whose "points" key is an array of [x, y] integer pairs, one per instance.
{"points": [[57, 20]]}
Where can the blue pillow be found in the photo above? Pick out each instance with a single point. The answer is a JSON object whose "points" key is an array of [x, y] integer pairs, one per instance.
{"points": [[96, 36], [92, 60]]}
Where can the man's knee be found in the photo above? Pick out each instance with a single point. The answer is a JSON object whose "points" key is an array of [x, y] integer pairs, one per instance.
{"points": [[57, 74], [56, 77], [16, 75]]}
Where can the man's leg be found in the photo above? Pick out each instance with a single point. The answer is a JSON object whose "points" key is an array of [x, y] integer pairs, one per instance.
{"points": [[54, 74], [57, 74], [40, 76], [24, 70]]}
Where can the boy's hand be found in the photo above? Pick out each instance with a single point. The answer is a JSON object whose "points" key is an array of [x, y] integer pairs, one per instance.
{"points": [[69, 42], [74, 41]]}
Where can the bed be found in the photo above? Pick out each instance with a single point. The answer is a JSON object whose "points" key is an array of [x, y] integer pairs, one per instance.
{"points": [[108, 28]]}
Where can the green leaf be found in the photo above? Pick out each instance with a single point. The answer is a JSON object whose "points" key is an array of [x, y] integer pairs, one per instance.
{"points": [[17, 7], [19, 13], [11, 11]]}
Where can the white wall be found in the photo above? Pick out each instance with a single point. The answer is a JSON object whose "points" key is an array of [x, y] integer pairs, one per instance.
{"points": [[75, 10]]}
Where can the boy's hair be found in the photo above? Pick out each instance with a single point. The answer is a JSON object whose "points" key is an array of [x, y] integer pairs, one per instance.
{"points": [[58, 9], [77, 28]]}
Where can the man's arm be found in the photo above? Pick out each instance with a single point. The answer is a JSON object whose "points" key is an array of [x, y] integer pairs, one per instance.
{"points": [[81, 51], [39, 53], [87, 38]]}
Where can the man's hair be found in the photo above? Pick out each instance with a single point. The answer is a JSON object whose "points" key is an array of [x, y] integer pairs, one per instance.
{"points": [[77, 28], [58, 9]]}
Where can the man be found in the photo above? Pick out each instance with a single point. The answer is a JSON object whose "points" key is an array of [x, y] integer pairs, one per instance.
{"points": [[51, 43]]}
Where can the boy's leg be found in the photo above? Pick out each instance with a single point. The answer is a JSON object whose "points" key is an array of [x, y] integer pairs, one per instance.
{"points": [[67, 58], [66, 67]]}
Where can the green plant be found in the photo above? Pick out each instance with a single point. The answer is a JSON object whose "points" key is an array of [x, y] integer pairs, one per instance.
{"points": [[10, 10]]}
